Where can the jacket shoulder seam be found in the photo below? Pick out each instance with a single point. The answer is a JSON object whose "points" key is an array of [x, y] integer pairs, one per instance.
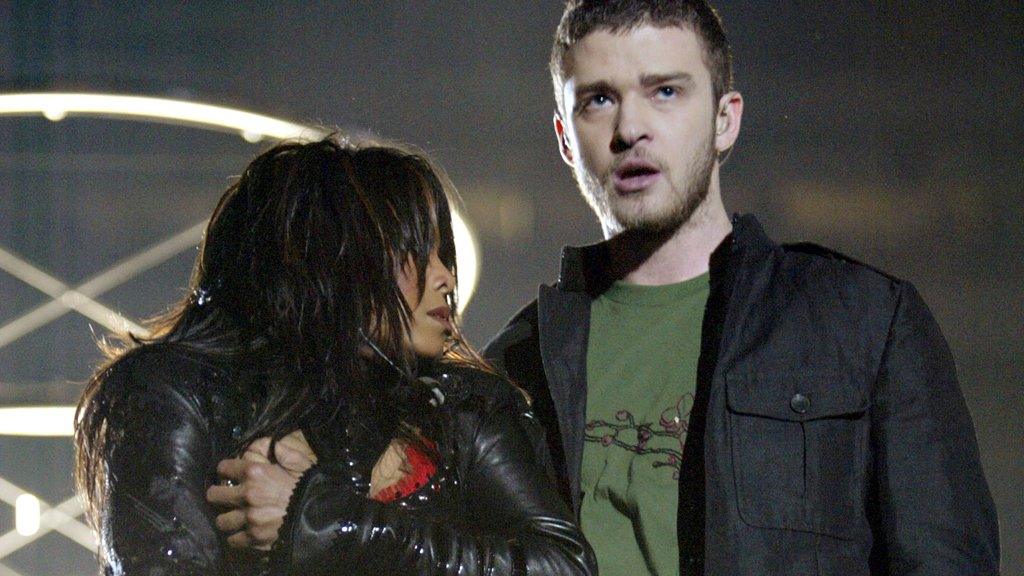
{"points": [[818, 251]]}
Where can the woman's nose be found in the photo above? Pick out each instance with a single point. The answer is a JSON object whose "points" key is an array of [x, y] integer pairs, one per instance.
{"points": [[441, 277], [447, 280]]}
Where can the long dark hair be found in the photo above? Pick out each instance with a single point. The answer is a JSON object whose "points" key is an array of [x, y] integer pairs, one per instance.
{"points": [[297, 271]]}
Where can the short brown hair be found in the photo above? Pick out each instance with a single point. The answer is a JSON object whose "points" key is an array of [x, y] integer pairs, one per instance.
{"points": [[581, 17]]}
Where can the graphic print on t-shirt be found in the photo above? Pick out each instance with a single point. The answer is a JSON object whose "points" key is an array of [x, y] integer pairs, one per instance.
{"points": [[663, 439]]}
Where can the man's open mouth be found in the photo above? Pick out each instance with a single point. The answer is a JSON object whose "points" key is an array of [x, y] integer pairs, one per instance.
{"points": [[634, 176]]}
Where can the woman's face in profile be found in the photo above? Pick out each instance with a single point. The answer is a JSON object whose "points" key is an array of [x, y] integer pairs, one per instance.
{"points": [[430, 322]]}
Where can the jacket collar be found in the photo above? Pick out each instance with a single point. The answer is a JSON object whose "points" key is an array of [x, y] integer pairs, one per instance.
{"points": [[583, 266]]}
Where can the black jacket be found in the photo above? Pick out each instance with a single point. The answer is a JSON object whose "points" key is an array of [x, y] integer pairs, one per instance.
{"points": [[173, 416], [828, 436]]}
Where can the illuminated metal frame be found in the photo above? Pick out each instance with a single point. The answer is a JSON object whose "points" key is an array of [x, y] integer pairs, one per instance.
{"points": [[63, 517]]}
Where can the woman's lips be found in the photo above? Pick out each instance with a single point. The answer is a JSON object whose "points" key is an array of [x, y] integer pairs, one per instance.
{"points": [[443, 315], [634, 176]]}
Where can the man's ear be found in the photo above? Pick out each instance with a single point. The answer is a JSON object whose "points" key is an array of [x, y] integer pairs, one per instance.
{"points": [[727, 121], [564, 148]]}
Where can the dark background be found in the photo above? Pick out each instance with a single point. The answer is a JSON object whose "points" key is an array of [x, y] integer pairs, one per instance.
{"points": [[888, 130]]}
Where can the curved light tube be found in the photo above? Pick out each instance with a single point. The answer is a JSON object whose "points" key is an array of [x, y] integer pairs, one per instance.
{"points": [[466, 259], [57, 106]]}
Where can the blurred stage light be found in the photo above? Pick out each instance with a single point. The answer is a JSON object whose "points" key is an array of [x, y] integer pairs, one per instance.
{"points": [[26, 514], [466, 259], [61, 518], [58, 106], [37, 421]]}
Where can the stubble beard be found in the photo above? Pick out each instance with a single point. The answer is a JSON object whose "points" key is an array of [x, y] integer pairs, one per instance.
{"points": [[684, 199]]}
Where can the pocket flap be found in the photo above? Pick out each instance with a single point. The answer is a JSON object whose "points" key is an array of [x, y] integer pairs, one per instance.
{"points": [[795, 396]]}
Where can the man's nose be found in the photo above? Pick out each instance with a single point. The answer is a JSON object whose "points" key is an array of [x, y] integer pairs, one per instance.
{"points": [[631, 126]]}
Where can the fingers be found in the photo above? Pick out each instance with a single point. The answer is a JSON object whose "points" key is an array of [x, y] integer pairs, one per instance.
{"points": [[261, 524], [227, 496], [233, 469], [239, 540], [297, 441], [254, 456], [295, 461], [257, 502], [253, 528], [258, 451], [250, 486], [231, 521], [292, 452], [243, 540]]}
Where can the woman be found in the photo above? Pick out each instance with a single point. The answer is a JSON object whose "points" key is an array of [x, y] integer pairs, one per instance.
{"points": [[322, 300]]}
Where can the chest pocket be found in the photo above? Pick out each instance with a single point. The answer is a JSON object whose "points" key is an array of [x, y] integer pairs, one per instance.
{"points": [[798, 443]]}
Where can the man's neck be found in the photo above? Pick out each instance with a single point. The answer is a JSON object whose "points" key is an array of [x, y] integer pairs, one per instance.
{"points": [[682, 255]]}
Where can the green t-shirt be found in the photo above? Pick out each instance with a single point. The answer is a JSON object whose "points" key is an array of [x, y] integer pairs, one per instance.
{"points": [[641, 376]]}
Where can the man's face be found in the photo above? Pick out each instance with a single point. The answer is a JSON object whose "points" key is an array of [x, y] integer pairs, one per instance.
{"points": [[638, 125]]}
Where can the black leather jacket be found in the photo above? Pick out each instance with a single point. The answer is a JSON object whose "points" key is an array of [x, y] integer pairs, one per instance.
{"points": [[490, 508]]}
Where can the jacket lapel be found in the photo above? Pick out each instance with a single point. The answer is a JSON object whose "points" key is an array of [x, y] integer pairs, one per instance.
{"points": [[742, 280], [735, 266]]}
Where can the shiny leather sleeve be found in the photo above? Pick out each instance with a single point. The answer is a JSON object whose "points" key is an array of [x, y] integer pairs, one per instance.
{"points": [[511, 521], [155, 518]]}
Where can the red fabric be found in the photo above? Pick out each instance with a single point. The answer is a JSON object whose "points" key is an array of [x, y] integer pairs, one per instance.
{"points": [[422, 468]]}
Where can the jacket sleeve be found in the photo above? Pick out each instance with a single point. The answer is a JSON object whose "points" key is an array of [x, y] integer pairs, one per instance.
{"points": [[934, 514], [155, 518], [512, 520], [515, 353]]}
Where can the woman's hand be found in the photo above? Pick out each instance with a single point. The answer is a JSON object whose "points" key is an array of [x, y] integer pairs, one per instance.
{"points": [[257, 492]]}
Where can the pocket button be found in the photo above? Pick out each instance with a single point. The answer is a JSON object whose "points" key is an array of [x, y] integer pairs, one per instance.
{"points": [[800, 403]]}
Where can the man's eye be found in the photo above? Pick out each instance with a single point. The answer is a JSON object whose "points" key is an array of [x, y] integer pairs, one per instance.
{"points": [[667, 91], [590, 103]]}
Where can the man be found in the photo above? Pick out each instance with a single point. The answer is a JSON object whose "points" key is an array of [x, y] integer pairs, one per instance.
{"points": [[716, 403]]}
